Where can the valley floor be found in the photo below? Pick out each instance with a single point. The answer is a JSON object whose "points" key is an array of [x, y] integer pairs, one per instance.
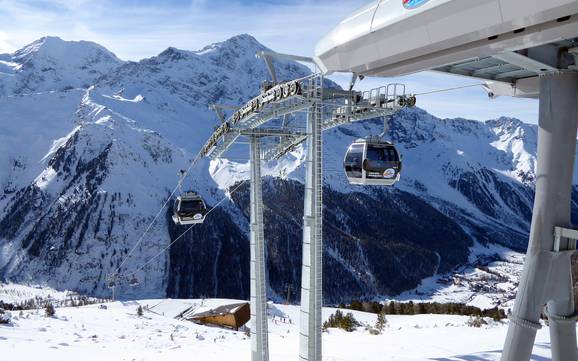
{"points": [[117, 333]]}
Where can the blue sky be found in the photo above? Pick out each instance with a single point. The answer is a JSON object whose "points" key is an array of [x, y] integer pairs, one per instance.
{"points": [[135, 29]]}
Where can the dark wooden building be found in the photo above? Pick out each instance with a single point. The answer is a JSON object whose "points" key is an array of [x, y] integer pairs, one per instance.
{"points": [[230, 316]]}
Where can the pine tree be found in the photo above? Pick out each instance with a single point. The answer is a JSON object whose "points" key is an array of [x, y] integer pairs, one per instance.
{"points": [[338, 320], [381, 322], [391, 308], [421, 309], [410, 308], [356, 305], [49, 310]]}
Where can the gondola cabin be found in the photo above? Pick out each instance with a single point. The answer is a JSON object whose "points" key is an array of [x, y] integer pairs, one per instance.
{"points": [[189, 209], [372, 162], [133, 282]]}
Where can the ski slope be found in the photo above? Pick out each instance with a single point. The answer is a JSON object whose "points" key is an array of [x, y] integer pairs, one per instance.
{"points": [[117, 333]]}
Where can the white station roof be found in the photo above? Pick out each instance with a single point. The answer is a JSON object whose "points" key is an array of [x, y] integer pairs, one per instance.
{"points": [[508, 41]]}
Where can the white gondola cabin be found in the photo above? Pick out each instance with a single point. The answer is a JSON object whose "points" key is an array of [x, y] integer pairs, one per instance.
{"points": [[189, 209], [372, 161]]}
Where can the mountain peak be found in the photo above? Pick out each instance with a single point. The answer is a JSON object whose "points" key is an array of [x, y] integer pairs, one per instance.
{"points": [[48, 40], [51, 63], [505, 123], [245, 39], [173, 54], [244, 42], [58, 49], [37, 46]]}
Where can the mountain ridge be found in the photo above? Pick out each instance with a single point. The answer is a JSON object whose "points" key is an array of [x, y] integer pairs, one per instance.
{"points": [[52, 64], [75, 202]]}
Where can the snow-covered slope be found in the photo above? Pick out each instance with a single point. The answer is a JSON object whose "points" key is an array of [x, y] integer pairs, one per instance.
{"points": [[33, 126], [51, 63], [85, 171], [480, 172], [97, 333]]}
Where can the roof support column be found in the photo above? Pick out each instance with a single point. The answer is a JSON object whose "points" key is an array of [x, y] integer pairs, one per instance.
{"points": [[311, 269], [547, 273], [259, 331]]}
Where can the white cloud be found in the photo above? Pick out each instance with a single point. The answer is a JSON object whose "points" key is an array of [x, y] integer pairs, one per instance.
{"points": [[5, 45]]}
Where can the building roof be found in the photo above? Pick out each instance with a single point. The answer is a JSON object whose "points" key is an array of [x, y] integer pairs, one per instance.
{"points": [[200, 312]]}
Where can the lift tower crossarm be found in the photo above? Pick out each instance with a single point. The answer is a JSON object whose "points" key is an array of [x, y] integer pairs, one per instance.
{"points": [[295, 96], [292, 142]]}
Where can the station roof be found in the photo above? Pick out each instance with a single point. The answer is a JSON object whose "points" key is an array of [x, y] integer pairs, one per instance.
{"points": [[512, 66]]}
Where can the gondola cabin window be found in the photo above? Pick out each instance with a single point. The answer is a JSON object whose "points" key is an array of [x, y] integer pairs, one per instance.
{"points": [[354, 161], [191, 208]]}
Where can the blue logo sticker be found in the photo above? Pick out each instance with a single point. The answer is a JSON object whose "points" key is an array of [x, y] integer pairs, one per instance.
{"points": [[412, 4], [389, 173]]}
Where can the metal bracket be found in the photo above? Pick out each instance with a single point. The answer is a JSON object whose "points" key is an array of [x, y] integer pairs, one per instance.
{"points": [[308, 220], [218, 109], [525, 323], [525, 62], [219, 113], [269, 63], [565, 239], [272, 54], [557, 318], [270, 132], [268, 56]]}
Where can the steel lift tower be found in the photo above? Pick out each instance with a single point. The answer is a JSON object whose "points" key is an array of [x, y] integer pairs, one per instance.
{"points": [[258, 284], [547, 276], [325, 108], [312, 263], [521, 48]]}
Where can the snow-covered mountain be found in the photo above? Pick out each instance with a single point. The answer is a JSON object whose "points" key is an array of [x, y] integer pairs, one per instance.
{"points": [[86, 162], [52, 64]]}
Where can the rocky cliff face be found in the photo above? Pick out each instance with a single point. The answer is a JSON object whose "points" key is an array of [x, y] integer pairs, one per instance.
{"points": [[88, 160]]}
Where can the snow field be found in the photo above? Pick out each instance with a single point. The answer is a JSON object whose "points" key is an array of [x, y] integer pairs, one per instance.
{"points": [[117, 333], [15, 293]]}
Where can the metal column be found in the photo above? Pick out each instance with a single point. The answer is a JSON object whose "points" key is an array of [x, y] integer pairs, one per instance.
{"points": [[259, 332], [311, 269], [547, 274]]}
